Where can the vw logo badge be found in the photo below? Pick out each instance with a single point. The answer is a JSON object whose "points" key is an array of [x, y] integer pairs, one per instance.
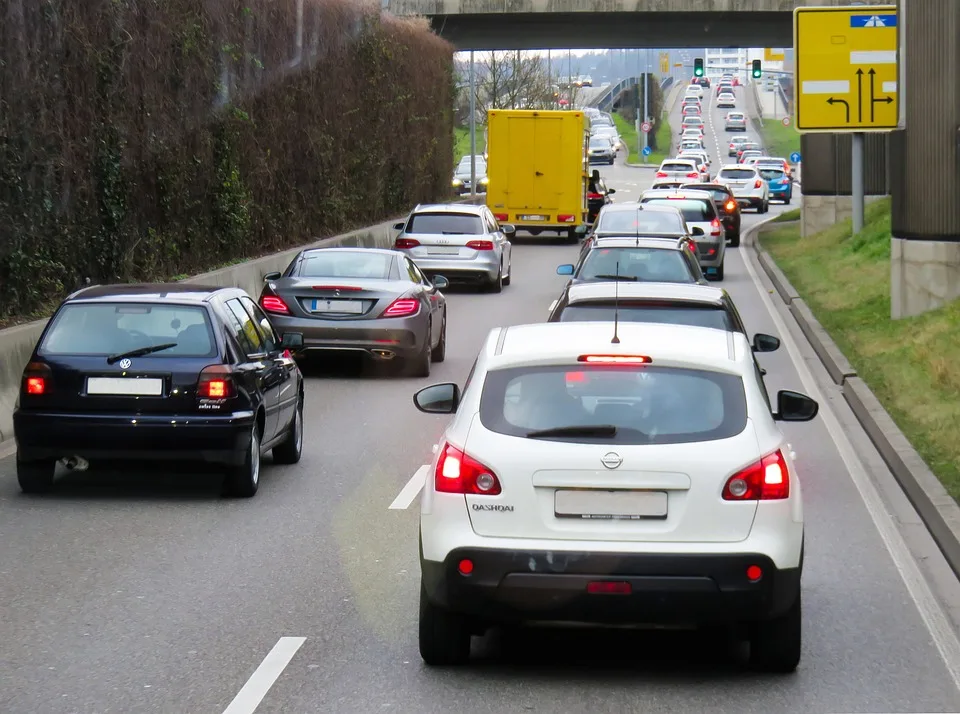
{"points": [[336, 293], [125, 364], [611, 460]]}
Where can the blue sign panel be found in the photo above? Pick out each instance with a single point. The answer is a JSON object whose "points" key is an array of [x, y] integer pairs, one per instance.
{"points": [[647, 151], [873, 21], [795, 157]]}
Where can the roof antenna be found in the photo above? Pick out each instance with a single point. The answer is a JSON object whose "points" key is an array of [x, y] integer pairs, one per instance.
{"points": [[616, 308]]}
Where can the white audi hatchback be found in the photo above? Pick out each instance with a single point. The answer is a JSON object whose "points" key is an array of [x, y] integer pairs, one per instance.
{"points": [[612, 476]]}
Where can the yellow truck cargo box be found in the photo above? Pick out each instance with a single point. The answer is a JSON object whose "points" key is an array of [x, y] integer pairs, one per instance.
{"points": [[537, 168]]}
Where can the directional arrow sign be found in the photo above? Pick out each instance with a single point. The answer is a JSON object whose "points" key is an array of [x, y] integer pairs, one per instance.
{"points": [[846, 68]]}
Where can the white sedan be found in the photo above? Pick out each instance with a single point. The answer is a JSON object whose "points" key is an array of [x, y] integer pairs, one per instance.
{"points": [[642, 480]]}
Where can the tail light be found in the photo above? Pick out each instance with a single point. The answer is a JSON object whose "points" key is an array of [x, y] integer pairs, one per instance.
{"points": [[405, 243], [274, 304], [594, 196], [216, 382], [693, 174], [715, 223], [757, 184], [402, 307], [730, 206], [480, 244], [661, 174], [566, 218], [767, 479], [614, 359], [459, 473], [36, 379], [501, 217]]}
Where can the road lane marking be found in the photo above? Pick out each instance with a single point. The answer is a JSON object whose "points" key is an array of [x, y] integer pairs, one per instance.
{"points": [[260, 682], [929, 608], [409, 492]]}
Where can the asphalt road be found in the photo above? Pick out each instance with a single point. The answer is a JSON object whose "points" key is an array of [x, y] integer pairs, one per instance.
{"points": [[140, 592]]}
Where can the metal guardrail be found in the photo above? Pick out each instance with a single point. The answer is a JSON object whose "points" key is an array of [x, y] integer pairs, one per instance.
{"points": [[605, 99]]}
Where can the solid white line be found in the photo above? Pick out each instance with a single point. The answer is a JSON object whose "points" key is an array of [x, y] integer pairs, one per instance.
{"points": [[889, 86], [873, 57], [929, 608], [256, 688], [826, 87], [411, 490]]}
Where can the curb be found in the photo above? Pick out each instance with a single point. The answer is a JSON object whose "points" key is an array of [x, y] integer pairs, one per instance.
{"points": [[640, 166], [939, 512]]}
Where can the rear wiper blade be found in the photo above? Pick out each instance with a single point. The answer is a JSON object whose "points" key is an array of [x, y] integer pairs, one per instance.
{"points": [[632, 278], [140, 352], [595, 430]]}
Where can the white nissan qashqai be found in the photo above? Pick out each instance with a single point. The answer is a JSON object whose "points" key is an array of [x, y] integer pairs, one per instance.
{"points": [[598, 477]]}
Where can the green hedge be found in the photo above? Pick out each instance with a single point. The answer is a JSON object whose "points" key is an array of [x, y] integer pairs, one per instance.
{"points": [[146, 139]]}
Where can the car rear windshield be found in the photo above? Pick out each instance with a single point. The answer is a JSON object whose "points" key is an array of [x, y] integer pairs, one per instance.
{"points": [[638, 264], [346, 264], [598, 142], [736, 173], [647, 405], [735, 117], [636, 311], [106, 328], [640, 222], [693, 209], [772, 174], [445, 224], [677, 167], [692, 121]]}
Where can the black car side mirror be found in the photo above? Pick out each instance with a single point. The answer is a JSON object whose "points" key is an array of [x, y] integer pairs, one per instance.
{"points": [[794, 406], [271, 276], [291, 341], [399, 226], [438, 398], [696, 231], [440, 282], [765, 343], [611, 191]]}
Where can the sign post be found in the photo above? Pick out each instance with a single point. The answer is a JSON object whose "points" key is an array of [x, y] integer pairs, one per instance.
{"points": [[846, 77]]}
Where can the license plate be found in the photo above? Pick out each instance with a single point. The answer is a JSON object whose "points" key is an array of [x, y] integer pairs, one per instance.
{"points": [[353, 307], [610, 505], [125, 386], [533, 218], [442, 250]]}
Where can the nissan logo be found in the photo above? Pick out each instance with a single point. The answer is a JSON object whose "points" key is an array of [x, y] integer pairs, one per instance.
{"points": [[611, 460], [125, 364]]}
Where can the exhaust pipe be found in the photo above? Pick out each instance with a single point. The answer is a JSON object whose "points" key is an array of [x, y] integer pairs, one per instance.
{"points": [[384, 354], [75, 463]]}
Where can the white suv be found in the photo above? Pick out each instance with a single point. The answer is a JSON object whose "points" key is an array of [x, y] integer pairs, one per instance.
{"points": [[746, 184], [642, 480]]}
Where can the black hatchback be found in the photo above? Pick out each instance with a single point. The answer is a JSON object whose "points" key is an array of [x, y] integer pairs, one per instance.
{"points": [[163, 372], [728, 208]]}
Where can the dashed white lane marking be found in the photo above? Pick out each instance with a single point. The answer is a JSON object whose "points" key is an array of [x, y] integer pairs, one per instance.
{"points": [[260, 682], [8, 449], [409, 492]]}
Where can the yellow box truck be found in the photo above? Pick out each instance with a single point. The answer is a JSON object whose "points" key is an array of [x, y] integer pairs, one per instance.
{"points": [[537, 169]]}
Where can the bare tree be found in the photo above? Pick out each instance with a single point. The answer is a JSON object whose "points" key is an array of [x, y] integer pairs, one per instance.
{"points": [[507, 80]]}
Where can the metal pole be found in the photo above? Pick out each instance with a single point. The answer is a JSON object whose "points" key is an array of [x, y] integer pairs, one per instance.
{"points": [[550, 102], [857, 182], [569, 79], [646, 105], [473, 130]]}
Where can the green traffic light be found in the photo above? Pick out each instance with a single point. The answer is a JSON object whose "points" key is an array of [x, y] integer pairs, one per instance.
{"points": [[757, 72], [698, 67]]}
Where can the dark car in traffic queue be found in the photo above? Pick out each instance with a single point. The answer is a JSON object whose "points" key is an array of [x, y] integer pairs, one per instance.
{"points": [[159, 373], [362, 300], [728, 208], [598, 196]]}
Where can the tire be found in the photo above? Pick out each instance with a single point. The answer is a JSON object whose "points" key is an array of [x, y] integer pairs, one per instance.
{"points": [[775, 645], [496, 286], [735, 241], [439, 353], [719, 275], [35, 476], [291, 449], [243, 481], [573, 236], [419, 366], [788, 200], [506, 280], [444, 636]]}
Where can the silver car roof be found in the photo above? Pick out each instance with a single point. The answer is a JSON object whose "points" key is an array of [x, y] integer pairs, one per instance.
{"points": [[703, 294]]}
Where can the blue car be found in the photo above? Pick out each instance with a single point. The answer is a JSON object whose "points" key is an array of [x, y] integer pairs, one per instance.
{"points": [[780, 185]]}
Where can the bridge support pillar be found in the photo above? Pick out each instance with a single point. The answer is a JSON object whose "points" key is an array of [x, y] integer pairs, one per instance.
{"points": [[925, 160]]}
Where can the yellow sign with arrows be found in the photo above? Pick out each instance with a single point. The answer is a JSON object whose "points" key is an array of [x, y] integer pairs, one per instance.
{"points": [[664, 63], [845, 78]]}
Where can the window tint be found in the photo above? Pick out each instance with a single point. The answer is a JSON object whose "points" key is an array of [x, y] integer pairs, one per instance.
{"points": [[737, 173], [112, 328], [640, 221], [599, 142], [651, 405], [693, 210], [244, 328], [445, 224], [346, 264], [678, 167], [694, 315], [771, 174], [642, 264], [267, 336]]}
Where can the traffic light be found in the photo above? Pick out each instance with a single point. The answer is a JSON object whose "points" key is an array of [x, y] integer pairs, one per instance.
{"points": [[698, 67], [757, 72]]}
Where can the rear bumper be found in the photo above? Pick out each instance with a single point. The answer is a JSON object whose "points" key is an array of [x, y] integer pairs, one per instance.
{"points": [[402, 336], [731, 225], [485, 267], [222, 439], [706, 259], [517, 586], [781, 191], [602, 157]]}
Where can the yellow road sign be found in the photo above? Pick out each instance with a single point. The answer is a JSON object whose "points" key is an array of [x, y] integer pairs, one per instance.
{"points": [[774, 54], [845, 79], [664, 62]]}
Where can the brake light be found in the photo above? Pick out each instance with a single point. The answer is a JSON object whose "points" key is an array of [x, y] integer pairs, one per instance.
{"points": [[716, 227], [36, 379], [767, 479], [730, 205], [216, 382], [274, 304], [480, 244], [614, 359], [405, 243], [606, 587], [566, 218], [594, 196], [757, 184], [36, 385], [693, 174], [459, 473], [661, 174], [501, 216], [402, 307]]}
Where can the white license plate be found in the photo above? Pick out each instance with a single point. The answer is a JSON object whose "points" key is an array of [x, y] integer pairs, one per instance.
{"points": [[533, 218], [125, 386], [442, 250], [353, 307], [610, 505]]}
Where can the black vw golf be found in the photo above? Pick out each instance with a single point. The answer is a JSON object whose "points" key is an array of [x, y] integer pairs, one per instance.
{"points": [[171, 372]]}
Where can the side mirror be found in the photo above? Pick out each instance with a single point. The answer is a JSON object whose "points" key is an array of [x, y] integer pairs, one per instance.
{"points": [[508, 229], [399, 226], [291, 341], [565, 269], [552, 306], [438, 399], [596, 174], [696, 231], [611, 191], [765, 343], [793, 406], [440, 282], [581, 229], [271, 276]]}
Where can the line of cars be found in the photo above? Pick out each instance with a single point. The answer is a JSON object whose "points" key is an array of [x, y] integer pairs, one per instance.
{"points": [[605, 142]]}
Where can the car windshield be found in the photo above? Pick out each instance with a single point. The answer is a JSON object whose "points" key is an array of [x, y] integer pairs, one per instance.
{"points": [[735, 117], [634, 311], [694, 210], [599, 142], [464, 166], [736, 173], [445, 224], [640, 222], [772, 174], [346, 264], [646, 405], [644, 264], [106, 328]]}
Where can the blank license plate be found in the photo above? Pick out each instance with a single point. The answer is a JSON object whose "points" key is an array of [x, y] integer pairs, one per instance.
{"points": [[442, 250], [126, 386], [354, 307], [533, 218], [610, 505]]}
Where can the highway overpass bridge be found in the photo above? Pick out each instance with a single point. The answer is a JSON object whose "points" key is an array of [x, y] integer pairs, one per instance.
{"points": [[584, 24]]}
